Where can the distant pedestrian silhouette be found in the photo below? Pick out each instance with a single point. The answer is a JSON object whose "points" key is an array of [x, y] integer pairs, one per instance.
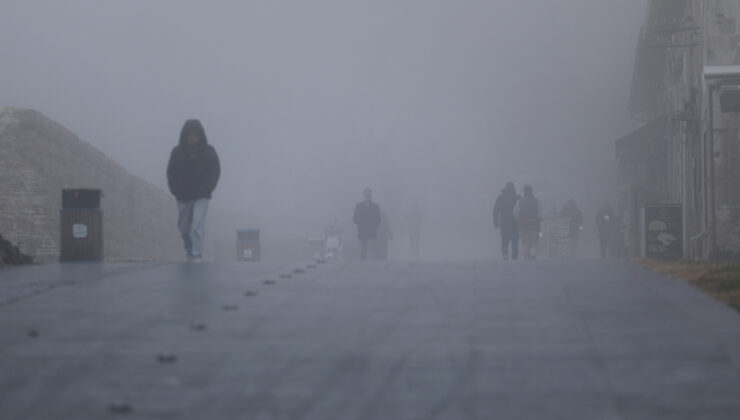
{"points": [[571, 212], [385, 236], [529, 220], [415, 222], [504, 220], [606, 223], [367, 219]]}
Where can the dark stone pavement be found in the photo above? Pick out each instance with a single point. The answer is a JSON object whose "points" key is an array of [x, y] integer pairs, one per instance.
{"points": [[580, 339]]}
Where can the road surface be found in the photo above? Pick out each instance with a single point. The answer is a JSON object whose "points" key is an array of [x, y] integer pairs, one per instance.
{"points": [[580, 339]]}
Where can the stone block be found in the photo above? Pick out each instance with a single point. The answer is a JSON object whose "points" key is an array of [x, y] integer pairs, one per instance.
{"points": [[727, 25], [719, 50]]}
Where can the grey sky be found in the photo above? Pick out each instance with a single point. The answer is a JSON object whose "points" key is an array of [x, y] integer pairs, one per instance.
{"points": [[434, 101]]}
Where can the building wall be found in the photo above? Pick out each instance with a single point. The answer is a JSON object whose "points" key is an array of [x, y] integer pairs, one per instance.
{"points": [[721, 46], [38, 158], [663, 91], [683, 37], [683, 74], [717, 42]]}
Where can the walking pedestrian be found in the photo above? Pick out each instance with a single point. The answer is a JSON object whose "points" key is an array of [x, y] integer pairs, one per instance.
{"points": [[367, 219], [571, 212], [385, 235], [606, 224], [504, 220], [529, 220], [192, 175], [415, 221]]}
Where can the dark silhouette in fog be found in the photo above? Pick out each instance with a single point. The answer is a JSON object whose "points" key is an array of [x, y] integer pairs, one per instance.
{"points": [[385, 236], [192, 175], [504, 220], [367, 218], [529, 220], [606, 224], [415, 221], [571, 212]]}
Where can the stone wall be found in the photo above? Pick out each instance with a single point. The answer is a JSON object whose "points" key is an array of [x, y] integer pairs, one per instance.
{"points": [[721, 28], [38, 158], [722, 47]]}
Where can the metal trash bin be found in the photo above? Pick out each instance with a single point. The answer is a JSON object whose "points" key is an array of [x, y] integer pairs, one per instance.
{"points": [[81, 225], [248, 245]]}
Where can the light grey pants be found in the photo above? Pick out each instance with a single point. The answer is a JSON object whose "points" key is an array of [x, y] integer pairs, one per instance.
{"points": [[191, 222]]}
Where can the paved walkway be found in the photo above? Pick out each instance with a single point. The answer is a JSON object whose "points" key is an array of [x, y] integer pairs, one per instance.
{"points": [[469, 340]]}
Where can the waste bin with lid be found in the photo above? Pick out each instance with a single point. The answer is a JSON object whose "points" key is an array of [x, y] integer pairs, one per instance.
{"points": [[248, 245], [81, 225]]}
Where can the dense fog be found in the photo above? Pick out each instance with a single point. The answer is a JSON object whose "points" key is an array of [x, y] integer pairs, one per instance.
{"points": [[430, 103]]}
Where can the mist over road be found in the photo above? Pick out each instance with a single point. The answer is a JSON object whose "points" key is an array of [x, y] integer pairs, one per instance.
{"points": [[426, 102]]}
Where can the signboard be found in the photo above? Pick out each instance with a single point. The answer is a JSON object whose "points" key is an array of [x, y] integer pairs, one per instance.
{"points": [[662, 231], [558, 238], [79, 231]]}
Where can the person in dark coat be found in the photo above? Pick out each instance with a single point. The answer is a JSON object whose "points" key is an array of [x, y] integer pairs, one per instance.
{"points": [[192, 175], [415, 221], [367, 219], [606, 224], [529, 220], [504, 220]]}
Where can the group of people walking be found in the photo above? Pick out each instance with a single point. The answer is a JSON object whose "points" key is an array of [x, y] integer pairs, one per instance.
{"points": [[193, 172], [194, 169], [519, 219]]}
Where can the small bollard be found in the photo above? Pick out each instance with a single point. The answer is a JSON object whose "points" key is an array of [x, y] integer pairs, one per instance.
{"points": [[120, 407], [272, 281], [166, 358], [299, 271], [197, 326], [250, 293]]}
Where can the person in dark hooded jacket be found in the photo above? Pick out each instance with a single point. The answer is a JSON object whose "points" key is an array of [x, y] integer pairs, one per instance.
{"points": [[192, 175], [529, 219], [367, 218], [606, 223], [503, 219]]}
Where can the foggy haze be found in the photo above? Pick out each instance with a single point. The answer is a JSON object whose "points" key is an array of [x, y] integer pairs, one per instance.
{"points": [[431, 102]]}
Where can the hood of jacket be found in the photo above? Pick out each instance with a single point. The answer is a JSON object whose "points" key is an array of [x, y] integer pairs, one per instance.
{"points": [[194, 126]]}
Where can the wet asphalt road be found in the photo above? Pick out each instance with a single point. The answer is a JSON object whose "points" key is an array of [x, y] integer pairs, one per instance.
{"points": [[460, 340]]}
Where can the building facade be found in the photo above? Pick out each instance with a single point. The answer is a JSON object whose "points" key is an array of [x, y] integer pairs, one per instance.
{"points": [[688, 152]]}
